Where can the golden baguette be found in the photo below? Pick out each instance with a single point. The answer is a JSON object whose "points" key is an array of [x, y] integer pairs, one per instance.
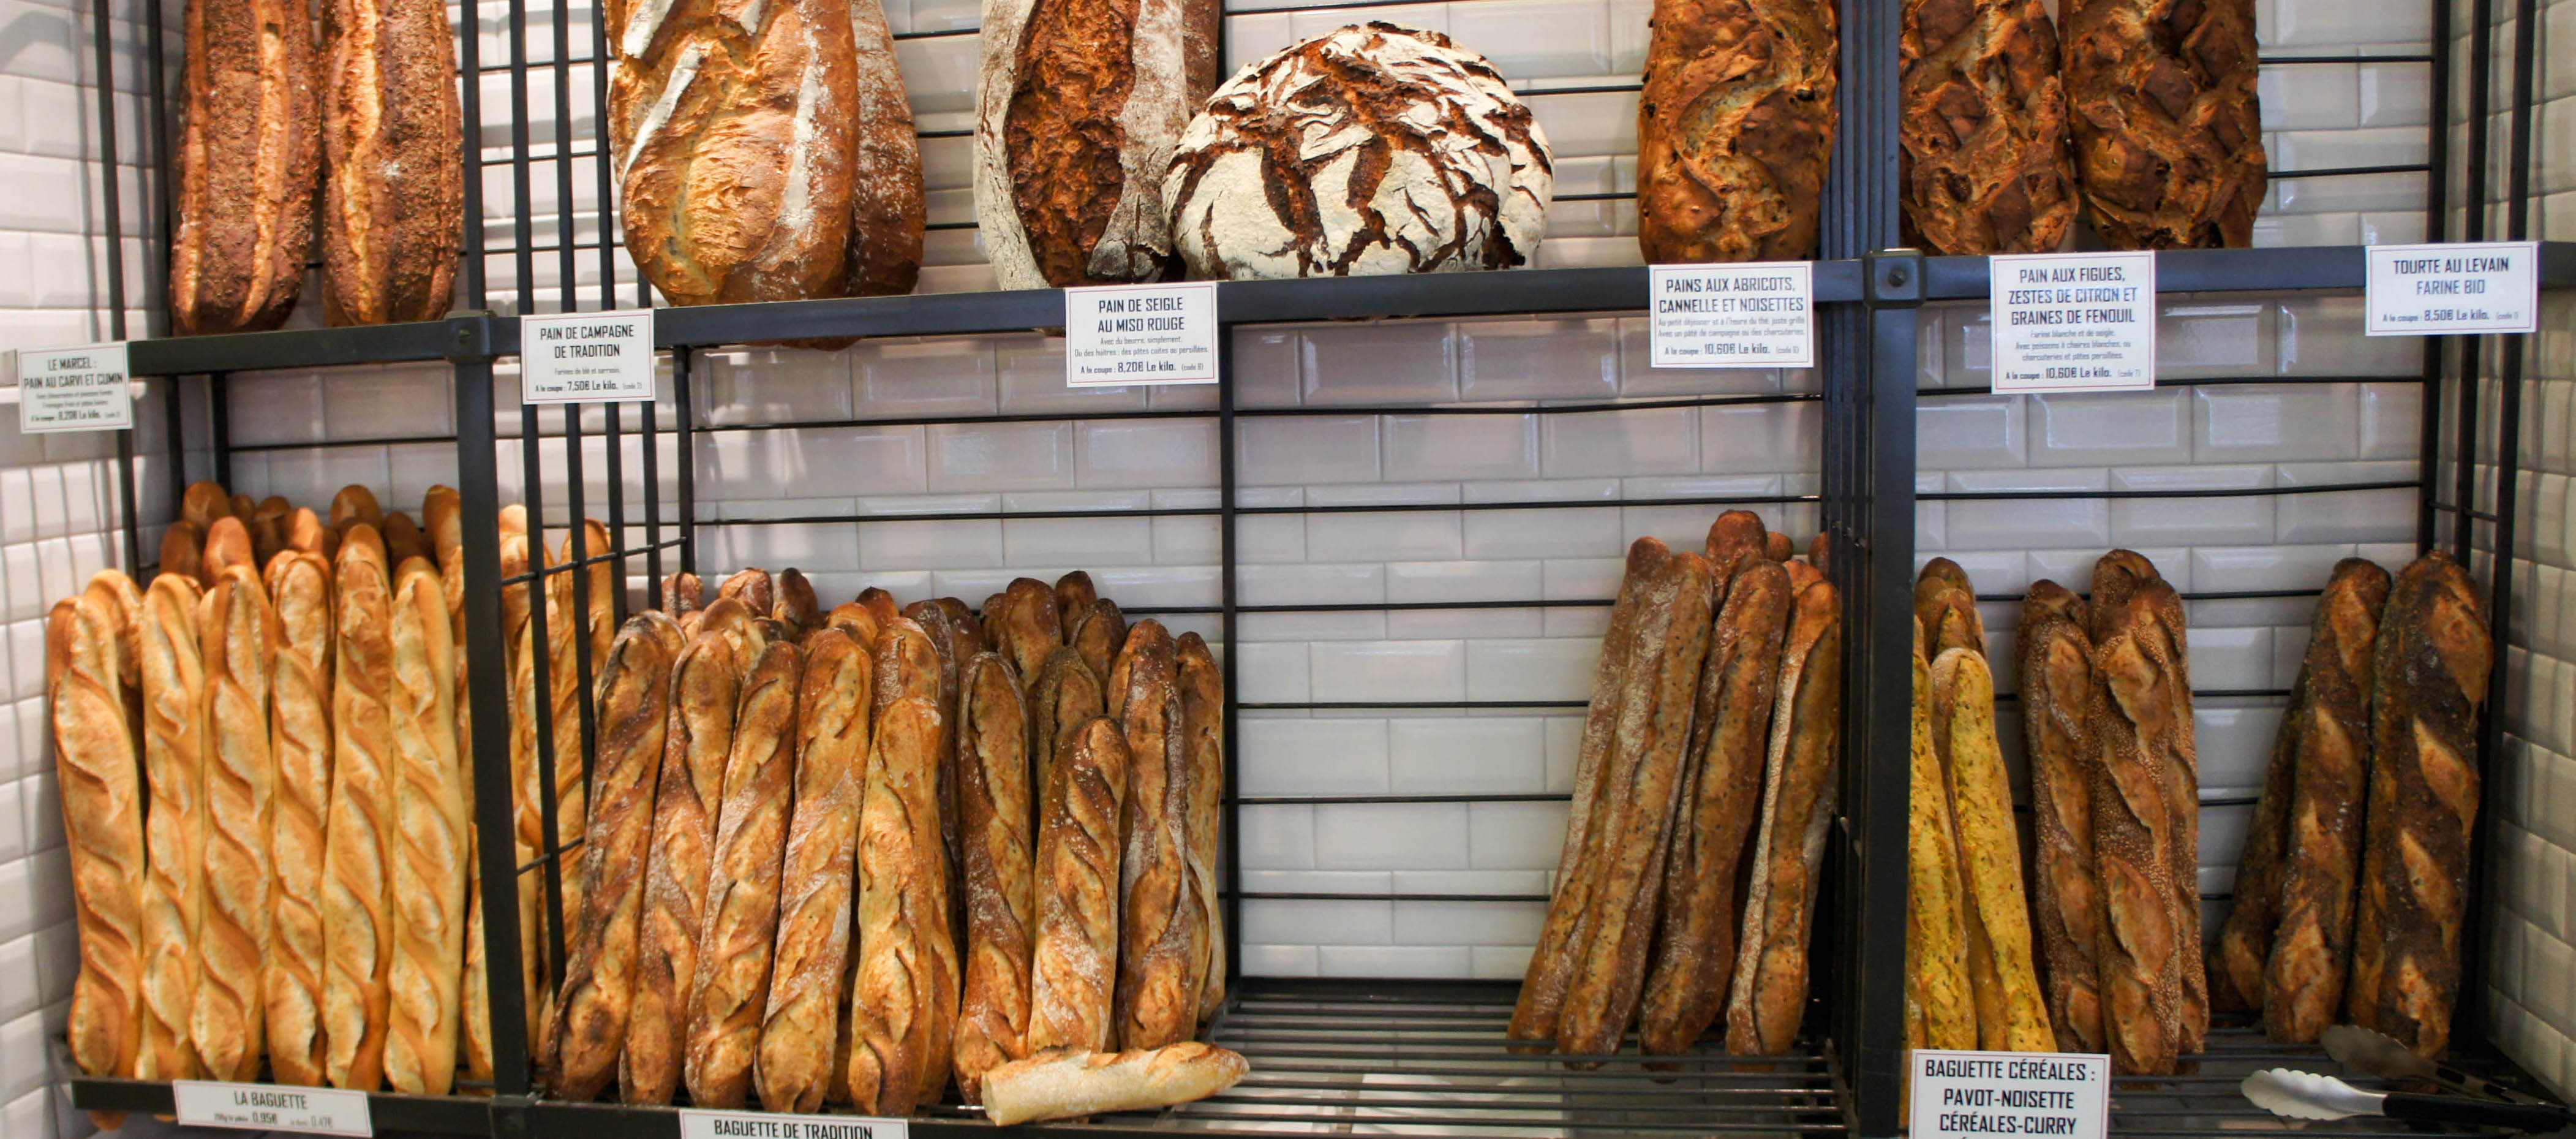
{"points": [[1771, 964], [818, 887], [994, 876], [1074, 963], [706, 681], [1026, 628], [202, 502], [300, 583], [1944, 1007], [739, 935], [237, 633], [754, 588], [357, 930], [1067, 1083], [2011, 1014], [1098, 635], [795, 605], [174, 745], [430, 819], [95, 737], [895, 1006], [356, 505], [1063, 696]]}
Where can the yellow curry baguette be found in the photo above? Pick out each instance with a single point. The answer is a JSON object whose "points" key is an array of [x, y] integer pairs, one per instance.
{"points": [[2011, 1016]]}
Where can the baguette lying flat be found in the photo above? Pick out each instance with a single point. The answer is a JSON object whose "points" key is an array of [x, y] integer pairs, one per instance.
{"points": [[1064, 1083]]}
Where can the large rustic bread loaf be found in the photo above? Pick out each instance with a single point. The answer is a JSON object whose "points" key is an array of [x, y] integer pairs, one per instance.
{"points": [[1982, 120], [2168, 140], [246, 160], [1734, 129], [393, 182], [1371, 150]]}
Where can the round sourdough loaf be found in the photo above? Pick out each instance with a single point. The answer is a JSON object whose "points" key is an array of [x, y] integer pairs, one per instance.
{"points": [[1375, 149]]}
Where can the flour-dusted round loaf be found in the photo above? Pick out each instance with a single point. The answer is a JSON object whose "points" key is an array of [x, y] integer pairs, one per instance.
{"points": [[1371, 150]]}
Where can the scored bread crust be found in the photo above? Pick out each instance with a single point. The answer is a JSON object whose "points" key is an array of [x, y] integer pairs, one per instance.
{"points": [[237, 634], [1940, 1004], [1986, 167], [901, 993], [1074, 965], [1735, 127], [2012, 1016], [817, 886], [1063, 696], [300, 585], [1157, 945], [2168, 137], [994, 875], [1064, 1083], [431, 819], [1203, 738], [95, 741], [1799, 793], [739, 935], [393, 200], [356, 927], [706, 680], [174, 743], [2056, 680], [2131, 704]]}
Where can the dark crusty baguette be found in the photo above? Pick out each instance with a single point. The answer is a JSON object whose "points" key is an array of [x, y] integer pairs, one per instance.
{"points": [[737, 939], [246, 162], [2056, 684], [1025, 627], [1734, 129], [1159, 945], [1074, 593], [1063, 696], [888, 209], [817, 887], [2429, 680], [1982, 120], [706, 681], [1769, 994], [2321, 860], [393, 181], [2168, 141], [1736, 538], [1721, 798], [994, 875], [2133, 704], [1097, 635], [1203, 738], [1074, 963], [902, 993]]}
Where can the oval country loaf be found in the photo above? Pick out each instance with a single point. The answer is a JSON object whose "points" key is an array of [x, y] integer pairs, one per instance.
{"points": [[1375, 149], [1982, 120], [2168, 140], [1734, 129], [247, 158], [393, 185], [1078, 109]]}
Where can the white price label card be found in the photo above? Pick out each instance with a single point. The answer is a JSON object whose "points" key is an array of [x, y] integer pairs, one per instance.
{"points": [[1980, 1095], [2074, 322], [586, 357], [1118, 335], [1757, 314], [272, 1107], [74, 389], [764, 1125], [2463, 287]]}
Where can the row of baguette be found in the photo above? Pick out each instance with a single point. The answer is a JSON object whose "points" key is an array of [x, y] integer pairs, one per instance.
{"points": [[2375, 767], [1705, 784]]}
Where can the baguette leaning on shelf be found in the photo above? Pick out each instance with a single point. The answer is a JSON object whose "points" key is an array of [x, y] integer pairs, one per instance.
{"points": [[183, 549], [1203, 741], [300, 584], [90, 659], [227, 545], [2129, 716], [734, 948], [1068, 1083], [1157, 945], [994, 875], [2056, 682], [1799, 793], [817, 887], [430, 823], [895, 1006], [1940, 998], [174, 744], [1074, 962], [357, 926], [2011, 1014], [1025, 627], [237, 633]]}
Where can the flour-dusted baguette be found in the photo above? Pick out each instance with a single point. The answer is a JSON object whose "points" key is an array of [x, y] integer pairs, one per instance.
{"points": [[1941, 1002], [1157, 947], [739, 936], [1721, 798], [1641, 787], [1562, 938], [1076, 113], [2430, 680], [683, 593], [900, 994], [1068, 1083], [2303, 980], [236, 634], [1074, 593], [1734, 129], [769, 97], [706, 681], [1097, 635], [1203, 738], [1736, 538], [174, 756], [2056, 684], [950, 645], [2136, 681], [227, 545], [2012, 1016], [1798, 797], [598, 990], [2168, 140], [854, 619], [1982, 120], [430, 818], [300, 586], [1063, 696], [1075, 960], [907, 664], [994, 875], [95, 740], [817, 890], [393, 181], [1025, 627], [357, 925]]}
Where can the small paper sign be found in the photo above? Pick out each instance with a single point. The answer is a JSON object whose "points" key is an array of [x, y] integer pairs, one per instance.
{"points": [[2074, 322], [1758, 314], [1118, 335], [2458, 288], [271, 1107], [74, 389], [586, 357], [1980, 1095], [762, 1125]]}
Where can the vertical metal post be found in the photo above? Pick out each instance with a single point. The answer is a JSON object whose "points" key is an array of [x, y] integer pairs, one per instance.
{"points": [[603, 163], [111, 186], [653, 508], [523, 205], [174, 420], [541, 663], [615, 449], [577, 551], [1226, 626], [1860, 197], [470, 93], [125, 501], [157, 167], [219, 419], [567, 250], [684, 431], [2437, 227]]}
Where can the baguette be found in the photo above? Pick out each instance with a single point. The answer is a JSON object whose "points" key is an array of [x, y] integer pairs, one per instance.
{"points": [[301, 739], [431, 817], [1025, 627], [1735, 539], [795, 604], [2011, 1014], [2116, 578], [945, 640], [598, 990], [567, 617], [1063, 697], [993, 776], [1798, 797], [183, 550], [682, 594], [2133, 703], [2056, 679], [706, 681], [1722, 791], [202, 502], [1203, 740], [817, 889], [1098, 635], [1067, 1083], [1074, 594], [353, 504], [236, 634], [901, 994], [854, 619], [1157, 947], [2429, 669], [1938, 987], [757, 591], [1640, 790], [601, 615], [357, 931], [530, 712], [227, 545], [2303, 980], [1074, 964], [734, 948], [880, 603], [268, 529], [95, 739], [1542, 994], [174, 746], [403, 539], [306, 531], [906, 666]]}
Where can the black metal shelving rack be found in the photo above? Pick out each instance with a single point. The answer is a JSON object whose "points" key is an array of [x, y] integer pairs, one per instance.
{"points": [[1408, 1055]]}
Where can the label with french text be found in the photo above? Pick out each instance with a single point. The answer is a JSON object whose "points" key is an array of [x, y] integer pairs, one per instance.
{"points": [[586, 357], [1117, 335], [1979, 1095], [2074, 322], [271, 1107], [765, 1125], [2457, 287], [74, 389], [1758, 314]]}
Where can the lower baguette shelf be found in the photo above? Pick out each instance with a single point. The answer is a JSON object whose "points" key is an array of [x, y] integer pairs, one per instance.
{"points": [[391, 1113], [2207, 1100]]}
